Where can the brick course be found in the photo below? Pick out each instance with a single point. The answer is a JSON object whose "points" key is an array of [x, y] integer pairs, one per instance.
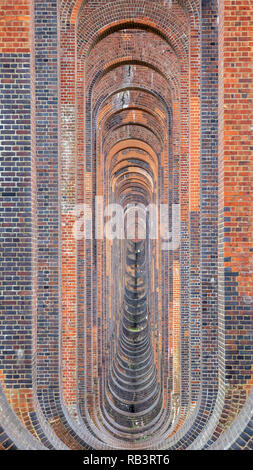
{"points": [[146, 102]]}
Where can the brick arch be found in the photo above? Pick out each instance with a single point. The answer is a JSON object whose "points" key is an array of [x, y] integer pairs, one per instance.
{"points": [[55, 289], [101, 109], [133, 97], [142, 95], [156, 52], [123, 62], [130, 180], [70, 8], [121, 158], [168, 28], [141, 134], [132, 124], [134, 143], [122, 168], [132, 112], [127, 29]]}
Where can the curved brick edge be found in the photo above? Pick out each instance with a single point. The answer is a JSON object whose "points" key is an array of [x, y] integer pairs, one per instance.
{"points": [[196, 428], [240, 434], [55, 442], [80, 428], [14, 429]]}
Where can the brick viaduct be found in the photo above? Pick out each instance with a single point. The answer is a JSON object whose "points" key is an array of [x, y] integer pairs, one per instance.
{"points": [[118, 344]]}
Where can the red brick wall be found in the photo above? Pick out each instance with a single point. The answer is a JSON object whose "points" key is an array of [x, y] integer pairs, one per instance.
{"points": [[120, 99]]}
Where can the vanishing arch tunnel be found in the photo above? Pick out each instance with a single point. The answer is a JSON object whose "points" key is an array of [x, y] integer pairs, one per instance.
{"points": [[120, 342]]}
